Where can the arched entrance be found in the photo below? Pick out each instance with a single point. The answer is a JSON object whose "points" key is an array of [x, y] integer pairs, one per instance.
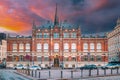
{"points": [[56, 61]]}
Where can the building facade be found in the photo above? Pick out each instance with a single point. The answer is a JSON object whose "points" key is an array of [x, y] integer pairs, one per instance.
{"points": [[3, 50], [114, 43], [57, 44]]}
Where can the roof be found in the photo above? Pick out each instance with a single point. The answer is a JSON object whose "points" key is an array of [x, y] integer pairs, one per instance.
{"points": [[64, 25]]}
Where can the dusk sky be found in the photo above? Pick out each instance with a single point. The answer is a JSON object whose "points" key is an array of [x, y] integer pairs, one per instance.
{"points": [[93, 16]]}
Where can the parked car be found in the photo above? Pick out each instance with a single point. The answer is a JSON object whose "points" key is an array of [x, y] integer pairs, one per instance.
{"points": [[92, 66], [35, 67], [20, 66]]}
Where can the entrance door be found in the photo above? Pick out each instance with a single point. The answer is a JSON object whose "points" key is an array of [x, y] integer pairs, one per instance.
{"points": [[56, 61]]}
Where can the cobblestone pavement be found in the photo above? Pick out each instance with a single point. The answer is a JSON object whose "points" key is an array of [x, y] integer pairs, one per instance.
{"points": [[104, 78], [10, 75]]}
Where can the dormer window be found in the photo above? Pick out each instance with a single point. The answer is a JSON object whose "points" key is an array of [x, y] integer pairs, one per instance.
{"points": [[56, 35]]}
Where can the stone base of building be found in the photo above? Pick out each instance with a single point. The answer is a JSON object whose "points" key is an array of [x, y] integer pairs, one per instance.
{"points": [[66, 64]]}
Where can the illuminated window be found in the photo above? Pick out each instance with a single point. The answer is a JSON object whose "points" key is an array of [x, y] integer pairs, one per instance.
{"points": [[66, 47], [46, 47], [56, 35], [73, 47], [56, 47], [92, 47], [14, 46], [99, 47], [21, 47], [85, 47], [39, 47], [27, 47]]}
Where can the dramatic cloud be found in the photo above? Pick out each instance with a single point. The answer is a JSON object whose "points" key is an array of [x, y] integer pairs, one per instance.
{"points": [[92, 15]]}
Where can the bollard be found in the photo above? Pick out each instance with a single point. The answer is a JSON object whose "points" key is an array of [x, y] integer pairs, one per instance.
{"points": [[71, 74], [117, 70], [61, 74], [35, 73], [49, 74], [104, 71], [111, 70], [32, 73], [39, 74], [89, 72], [81, 72], [97, 71]]}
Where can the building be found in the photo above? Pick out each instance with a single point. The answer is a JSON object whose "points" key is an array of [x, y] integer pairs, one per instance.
{"points": [[57, 44], [3, 50], [114, 44], [2, 36]]}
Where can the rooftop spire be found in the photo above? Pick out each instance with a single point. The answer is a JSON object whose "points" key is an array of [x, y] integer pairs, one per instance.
{"points": [[56, 20], [118, 21], [33, 25]]}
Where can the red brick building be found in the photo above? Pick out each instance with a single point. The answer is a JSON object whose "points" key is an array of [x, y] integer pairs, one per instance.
{"points": [[61, 40]]}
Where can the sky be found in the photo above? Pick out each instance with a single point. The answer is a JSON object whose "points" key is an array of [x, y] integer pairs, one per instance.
{"points": [[93, 16]]}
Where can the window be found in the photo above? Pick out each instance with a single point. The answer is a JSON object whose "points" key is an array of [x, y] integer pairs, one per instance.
{"points": [[39, 35], [39, 47], [92, 47], [46, 47], [46, 35], [73, 47], [39, 59], [99, 47], [85, 47], [56, 35], [98, 58], [56, 47], [21, 47], [91, 58], [46, 59], [73, 59], [14, 47], [27, 47], [66, 47], [85, 58], [66, 35], [20, 58], [73, 35]]}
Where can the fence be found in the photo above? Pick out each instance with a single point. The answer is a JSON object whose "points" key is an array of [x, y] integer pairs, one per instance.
{"points": [[69, 74]]}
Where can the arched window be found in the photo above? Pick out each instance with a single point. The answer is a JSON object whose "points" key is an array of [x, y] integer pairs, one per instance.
{"points": [[39, 47], [14, 47], [99, 47], [85, 47], [66, 47], [56, 47], [73, 47], [92, 47], [45, 47], [21, 47], [27, 47]]}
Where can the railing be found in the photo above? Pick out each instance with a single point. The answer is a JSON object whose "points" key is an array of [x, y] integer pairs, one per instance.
{"points": [[70, 73]]}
